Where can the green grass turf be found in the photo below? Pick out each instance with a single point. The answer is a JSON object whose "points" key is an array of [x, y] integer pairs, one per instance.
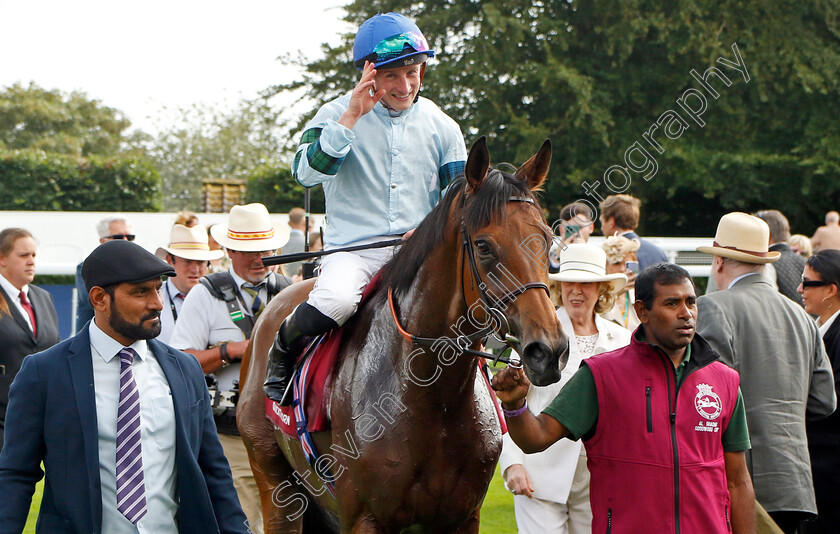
{"points": [[33, 510], [496, 514]]}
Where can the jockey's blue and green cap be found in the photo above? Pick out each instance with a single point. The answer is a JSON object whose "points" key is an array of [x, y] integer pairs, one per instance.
{"points": [[389, 40]]}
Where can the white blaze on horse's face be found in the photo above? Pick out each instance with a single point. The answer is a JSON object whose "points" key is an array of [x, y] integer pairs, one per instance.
{"points": [[401, 85]]}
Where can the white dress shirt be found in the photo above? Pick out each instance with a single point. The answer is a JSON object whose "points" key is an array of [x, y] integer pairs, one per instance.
{"points": [[171, 297], [14, 292], [157, 431], [204, 321], [824, 326]]}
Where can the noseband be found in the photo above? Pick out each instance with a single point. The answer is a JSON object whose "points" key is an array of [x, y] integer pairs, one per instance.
{"points": [[492, 306]]}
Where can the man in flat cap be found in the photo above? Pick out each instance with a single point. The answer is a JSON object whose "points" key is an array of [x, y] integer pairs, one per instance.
{"points": [[121, 422]]}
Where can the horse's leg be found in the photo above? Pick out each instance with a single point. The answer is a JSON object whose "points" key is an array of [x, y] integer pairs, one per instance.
{"points": [[282, 500], [470, 526], [366, 524]]}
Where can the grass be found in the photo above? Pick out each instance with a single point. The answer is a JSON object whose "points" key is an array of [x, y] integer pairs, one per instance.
{"points": [[33, 510], [496, 514]]}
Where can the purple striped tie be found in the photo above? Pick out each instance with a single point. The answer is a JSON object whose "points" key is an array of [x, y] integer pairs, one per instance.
{"points": [[131, 488]]}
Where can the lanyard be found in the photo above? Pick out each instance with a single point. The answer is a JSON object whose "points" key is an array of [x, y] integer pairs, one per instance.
{"points": [[171, 303]]}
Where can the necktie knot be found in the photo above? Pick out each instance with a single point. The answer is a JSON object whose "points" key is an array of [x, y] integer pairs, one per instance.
{"points": [[127, 356], [257, 305], [23, 298]]}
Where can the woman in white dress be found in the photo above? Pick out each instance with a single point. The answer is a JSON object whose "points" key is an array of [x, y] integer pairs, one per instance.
{"points": [[551, 488]]}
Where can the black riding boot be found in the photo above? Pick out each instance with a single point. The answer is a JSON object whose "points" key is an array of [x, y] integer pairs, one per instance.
{"points": [[281, 361], [305, 321]]}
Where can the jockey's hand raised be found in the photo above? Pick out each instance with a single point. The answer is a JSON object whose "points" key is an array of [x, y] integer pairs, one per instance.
{"points": [[511, 386], [362, 99]]}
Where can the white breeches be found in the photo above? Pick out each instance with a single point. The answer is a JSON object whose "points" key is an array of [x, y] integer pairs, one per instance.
{"points": [[343, 277]]}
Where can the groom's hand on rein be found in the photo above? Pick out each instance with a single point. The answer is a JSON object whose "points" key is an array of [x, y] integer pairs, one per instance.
{"points": [[511, 387]]}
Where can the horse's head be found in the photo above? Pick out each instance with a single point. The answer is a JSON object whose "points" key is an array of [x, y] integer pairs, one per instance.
{"points": [[505, 260]]}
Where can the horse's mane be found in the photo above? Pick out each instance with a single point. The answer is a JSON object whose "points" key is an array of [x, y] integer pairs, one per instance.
{"points": [[477, 211]]}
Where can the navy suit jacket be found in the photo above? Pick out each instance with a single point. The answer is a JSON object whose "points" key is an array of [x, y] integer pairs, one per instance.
{"points": [[52, 419]]}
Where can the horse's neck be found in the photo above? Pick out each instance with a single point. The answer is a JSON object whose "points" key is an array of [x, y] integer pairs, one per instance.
{"points": [[437, 310]]}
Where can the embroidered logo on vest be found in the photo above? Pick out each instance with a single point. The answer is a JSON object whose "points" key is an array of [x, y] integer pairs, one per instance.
{"points": [[707, 402]]}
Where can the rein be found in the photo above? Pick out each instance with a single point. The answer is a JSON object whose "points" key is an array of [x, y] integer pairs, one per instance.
{"points": [[492, 307]]}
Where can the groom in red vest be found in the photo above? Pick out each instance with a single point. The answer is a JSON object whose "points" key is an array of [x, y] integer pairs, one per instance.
{"points": [[662, 421]]}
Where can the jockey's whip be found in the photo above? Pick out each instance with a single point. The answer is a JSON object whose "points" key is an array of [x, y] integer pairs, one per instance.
{"points": [[300, 256]]}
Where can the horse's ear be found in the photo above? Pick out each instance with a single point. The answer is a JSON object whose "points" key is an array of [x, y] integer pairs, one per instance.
{"points": [[535, 170], [477, 164]]}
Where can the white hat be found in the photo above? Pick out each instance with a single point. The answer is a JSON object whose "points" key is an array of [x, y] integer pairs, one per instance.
{"points": [[189, 243], [580, 262], [249, 229], [742, 237]]}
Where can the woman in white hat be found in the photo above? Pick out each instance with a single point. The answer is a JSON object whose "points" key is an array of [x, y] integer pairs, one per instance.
{"points": [[551, 488]]}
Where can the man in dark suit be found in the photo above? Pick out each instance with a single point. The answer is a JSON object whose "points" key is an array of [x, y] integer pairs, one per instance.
{"points": [[121, 422], [620, 215], [790, 264], [28, 322]]}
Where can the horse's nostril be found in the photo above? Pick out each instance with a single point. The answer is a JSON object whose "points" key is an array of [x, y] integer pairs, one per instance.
{"points": [[536, 351], [541, 363]]}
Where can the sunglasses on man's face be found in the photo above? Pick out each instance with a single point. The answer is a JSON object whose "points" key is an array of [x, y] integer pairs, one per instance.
{"points": [[129, 237], [813, 283]]}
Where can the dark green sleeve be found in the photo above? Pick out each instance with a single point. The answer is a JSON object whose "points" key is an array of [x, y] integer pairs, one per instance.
{"points": [[576, 406], [736, 437]]}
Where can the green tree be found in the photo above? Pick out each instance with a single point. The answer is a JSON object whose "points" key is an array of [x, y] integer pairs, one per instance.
{"points": [[36, 180], [208, 142], [63, 151], [73, 124], [280, 192], [594, 76]]}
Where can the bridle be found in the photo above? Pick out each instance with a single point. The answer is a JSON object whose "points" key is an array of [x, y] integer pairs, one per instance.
{"points": [[492, 306]]}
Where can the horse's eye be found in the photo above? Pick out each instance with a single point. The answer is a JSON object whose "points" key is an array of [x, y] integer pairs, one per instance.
{"points": [[483, 248]]}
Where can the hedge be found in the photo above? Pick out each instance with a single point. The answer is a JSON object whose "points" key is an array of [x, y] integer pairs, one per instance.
{"points": [[34, 180]]}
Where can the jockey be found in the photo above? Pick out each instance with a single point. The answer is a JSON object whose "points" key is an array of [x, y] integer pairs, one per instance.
{"points": [[383, 155]]}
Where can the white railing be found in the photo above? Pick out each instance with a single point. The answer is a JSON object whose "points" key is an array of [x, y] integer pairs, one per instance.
{"points": [[66, 238]]}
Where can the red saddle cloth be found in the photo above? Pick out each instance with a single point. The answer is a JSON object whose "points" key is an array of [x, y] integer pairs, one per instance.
{"points": [[317, 375]]}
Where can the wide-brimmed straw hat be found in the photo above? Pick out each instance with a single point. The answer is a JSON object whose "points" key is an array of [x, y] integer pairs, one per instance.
{"points": [[742, 237], [249, 229], [580, 262], [189, 243]]}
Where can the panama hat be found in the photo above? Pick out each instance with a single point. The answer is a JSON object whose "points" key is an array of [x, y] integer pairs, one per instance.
{"points": [[580, 262], [742, 237], [249, 229], [189, 243]]}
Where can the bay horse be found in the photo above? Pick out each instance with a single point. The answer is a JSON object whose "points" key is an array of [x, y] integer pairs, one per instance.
{"points": [[415, 436]]}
